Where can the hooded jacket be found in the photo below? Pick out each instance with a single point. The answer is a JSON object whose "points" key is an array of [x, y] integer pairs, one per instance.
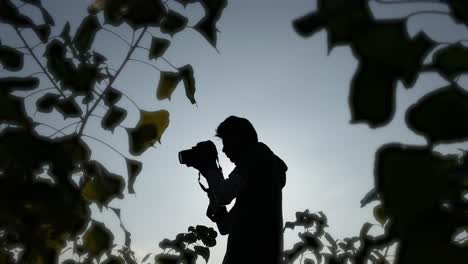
{"points": [[255, 221]]}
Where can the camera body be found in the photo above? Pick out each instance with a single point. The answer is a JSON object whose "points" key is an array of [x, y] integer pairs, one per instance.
{"points": [[203, 152]]}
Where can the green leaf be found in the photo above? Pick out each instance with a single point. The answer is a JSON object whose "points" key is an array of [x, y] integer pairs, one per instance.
{"points": [[134, 168], [379, 214], [148, 131], [11, 59], [186, 73], [158, 47], [113, 117], [168, 82], [111, 96], [86, 32], [10, 84], [452, 60], [439, 116], [97, 239], [372, 95], [186, 2], [173, 23], [103, 186], [47, 102], [204, 252]]}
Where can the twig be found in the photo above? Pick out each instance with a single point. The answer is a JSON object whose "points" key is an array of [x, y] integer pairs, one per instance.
{"points": [[168, 62], [65, 127], [144, 62], [36, 92], [117, 35], [98, 140]]}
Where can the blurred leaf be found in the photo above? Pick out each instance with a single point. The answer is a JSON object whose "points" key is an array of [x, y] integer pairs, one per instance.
{"points": [[372, 95], [148, 131], [12, 110], [379, 214], [330, 240], [158, 47], [68, 108], [204, 252], [97, 239], [85, 33], [10, 58], [146, 257], [309, 24], [10, 84], [439, 116], [114, 260], [292, 254], [10, 14], [58, 65], [452, 60], [207, 25], [173, 23], [113, 117], [311, 241], [167, 259], [168, 81], [111, 96], [98, 58], [308, 261], [134, 168], [103, 186], [371, 196], [459, 10], [189, 256], [186, 73], [65, 34], [43, 32], [47, 102], [365, 230]]}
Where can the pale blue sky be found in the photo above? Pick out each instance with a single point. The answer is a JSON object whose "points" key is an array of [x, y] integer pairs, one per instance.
{"points": [[295, 95]]}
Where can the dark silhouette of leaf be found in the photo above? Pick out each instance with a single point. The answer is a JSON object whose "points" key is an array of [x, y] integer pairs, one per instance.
{"points": [[113, 117], [207, 25], [158, 47], [10, 84], [65, 34], [9, 14], [85, 79], [189, 256], [292, 254], [459, 10], [365, 229], [43, 32], [379, 214], [330, 240], [438, 116], [173, 23], [452, 60], [114, 260], [372, 95], [308, 261], [97, 239], [85, 33], [167, 259], [133, 168], [98, 58], [68, 108], [168, 81], [69, 261], [103, 186], [146, 257], [48, 19], [371, 196], [58, 65], [311, 241], [204, 252], [186, 73], [47, 102], [186, 2], [10, 58], [12, 110], [111, 96], [148, 131]]}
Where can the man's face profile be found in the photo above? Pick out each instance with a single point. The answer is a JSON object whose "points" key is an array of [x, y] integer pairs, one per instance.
{"points": [[231, 149]]}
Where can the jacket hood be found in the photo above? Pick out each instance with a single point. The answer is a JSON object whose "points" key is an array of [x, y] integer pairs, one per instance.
{"points": [[279, 164]]}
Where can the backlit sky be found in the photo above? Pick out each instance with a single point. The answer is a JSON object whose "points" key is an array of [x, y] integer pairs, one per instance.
{"points": [[295, 95]]}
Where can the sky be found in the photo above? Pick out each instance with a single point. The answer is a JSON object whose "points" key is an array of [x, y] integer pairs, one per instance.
{"points": [[293, 92]]}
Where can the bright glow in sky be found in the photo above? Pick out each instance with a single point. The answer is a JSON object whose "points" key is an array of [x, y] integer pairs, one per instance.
{"points": [[294, 94]]}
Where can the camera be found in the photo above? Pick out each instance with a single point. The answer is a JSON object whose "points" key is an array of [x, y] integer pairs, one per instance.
{"points": [[203, 152]]}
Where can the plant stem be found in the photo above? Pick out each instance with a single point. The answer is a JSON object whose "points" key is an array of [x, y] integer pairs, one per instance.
{"points": [[102, 142], [38, 62], [112, 79]]}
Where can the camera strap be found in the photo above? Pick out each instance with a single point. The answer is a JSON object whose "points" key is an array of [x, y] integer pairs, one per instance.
{"points": [[205, 189]]}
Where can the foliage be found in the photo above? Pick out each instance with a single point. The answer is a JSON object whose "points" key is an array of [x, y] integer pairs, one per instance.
{"points": [[48, 181], [318, 246], [423, 192], [186, 247]]}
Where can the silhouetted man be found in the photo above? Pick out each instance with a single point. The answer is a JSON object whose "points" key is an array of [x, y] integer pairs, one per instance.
{"points": [[255, 222]]}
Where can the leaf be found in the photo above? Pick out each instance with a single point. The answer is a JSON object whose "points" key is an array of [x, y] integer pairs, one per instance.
{"points": [[114, 260], [148, 131], [111, 96], [47, 102], [439, 115], [11, 59], [372, 95], [173, 23], [146, 257], [459, 10], [186, 73], [168, 81], [308, 261], [365, 230], [141, 13], [167, 259], [330, 240], [98, 58], [292, 254], [86, 32], [379, 214], [204, 252], [103, 186], [186, 2], [309, 24], [452, 60], [65, 34], [158, 47], [311, 241], [97, 239], [10, 84], [134, 168], [68, 108], [43, 32], [207, 25], [371, 196], [9, 14], [113, 117], [58, 65]]}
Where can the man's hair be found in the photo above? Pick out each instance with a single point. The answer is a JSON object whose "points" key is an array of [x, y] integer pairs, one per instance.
{"points": [[237, 128]]}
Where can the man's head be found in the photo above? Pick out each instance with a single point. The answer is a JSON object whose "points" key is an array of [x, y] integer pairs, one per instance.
{"points": [[238, 135]]}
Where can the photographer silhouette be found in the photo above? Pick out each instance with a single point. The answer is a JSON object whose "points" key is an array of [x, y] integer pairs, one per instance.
{"points": [[255, 222]]}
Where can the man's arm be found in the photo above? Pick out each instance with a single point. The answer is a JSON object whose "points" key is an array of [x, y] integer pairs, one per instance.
{"points": [[223, 190]]}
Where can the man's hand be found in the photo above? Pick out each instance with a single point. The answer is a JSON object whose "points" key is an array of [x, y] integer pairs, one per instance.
{"points": [[204, 166]]}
